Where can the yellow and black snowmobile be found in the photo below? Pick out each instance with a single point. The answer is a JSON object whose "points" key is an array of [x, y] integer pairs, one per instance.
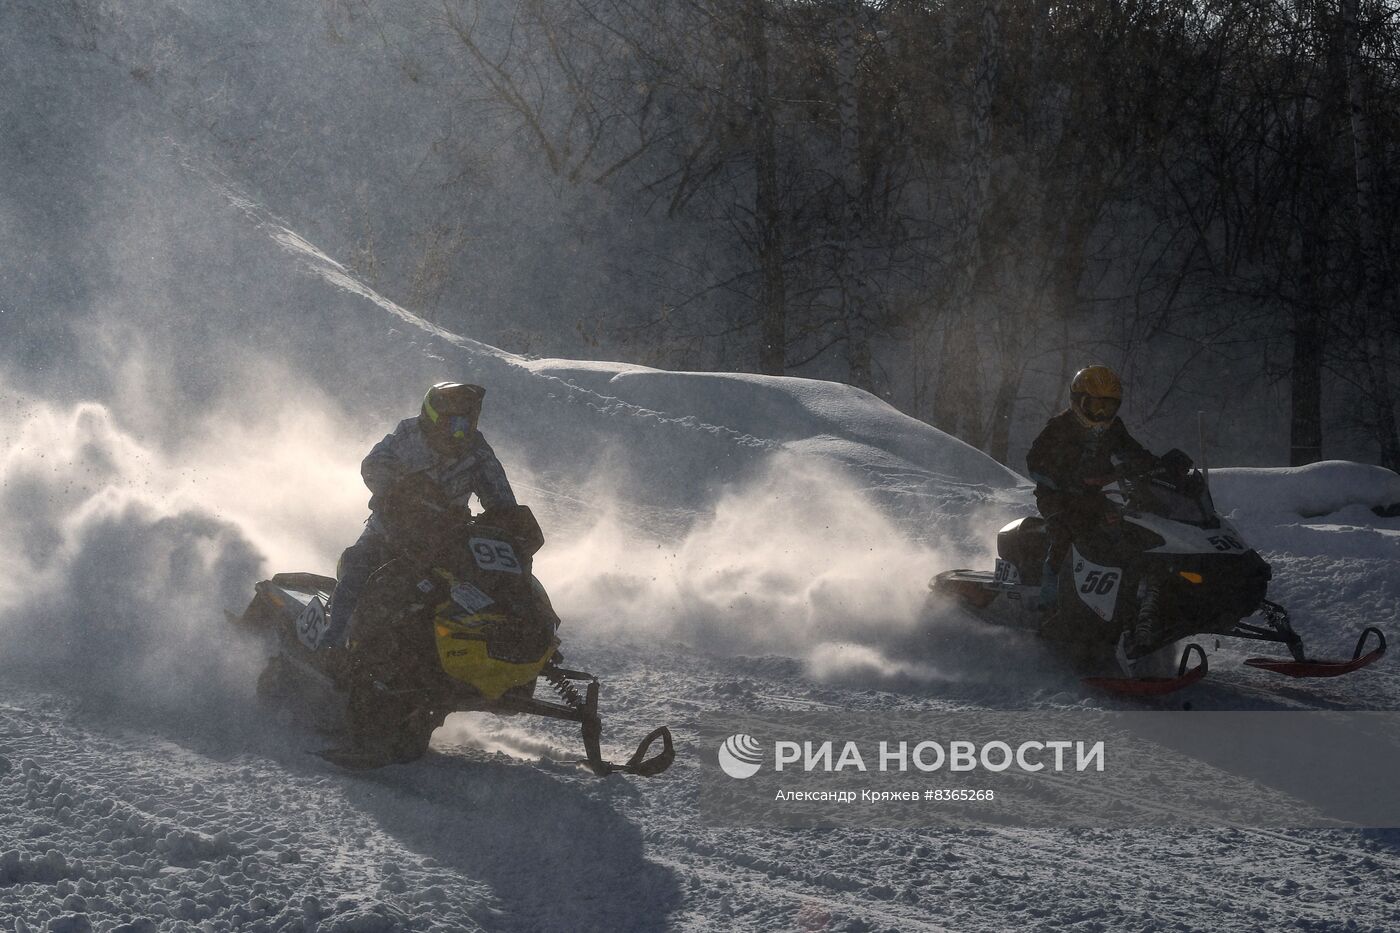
{"points": [[455, 622]]}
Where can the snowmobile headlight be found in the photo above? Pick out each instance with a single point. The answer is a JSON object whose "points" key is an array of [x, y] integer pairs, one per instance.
{"points": [[1191, 577]]}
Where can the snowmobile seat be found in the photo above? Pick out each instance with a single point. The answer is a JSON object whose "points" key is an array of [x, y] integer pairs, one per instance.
{"points": [[1023, 543], [304, 581]]}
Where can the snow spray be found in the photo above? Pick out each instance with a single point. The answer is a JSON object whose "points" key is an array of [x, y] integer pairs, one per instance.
{"points": [[126, 553], [797, 562]]}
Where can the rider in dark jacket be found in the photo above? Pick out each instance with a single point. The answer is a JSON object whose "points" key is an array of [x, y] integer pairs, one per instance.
{"points": [[1073, 458], [441, 451]]}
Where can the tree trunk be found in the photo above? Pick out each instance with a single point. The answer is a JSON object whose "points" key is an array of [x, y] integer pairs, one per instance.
{"points": [[956, 401], [1305, 374], [1003, 407], [856, 302], [1074, 232], [1305, 431], [1379, 314], [772, 355]]}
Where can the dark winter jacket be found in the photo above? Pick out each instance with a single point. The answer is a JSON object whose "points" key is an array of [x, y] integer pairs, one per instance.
{"points": [[1066, 453], [458, 476]]}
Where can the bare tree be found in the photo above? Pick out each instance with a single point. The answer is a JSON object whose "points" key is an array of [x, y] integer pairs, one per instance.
{"points": [[952, 201], [1379, 306], [956, 400]]}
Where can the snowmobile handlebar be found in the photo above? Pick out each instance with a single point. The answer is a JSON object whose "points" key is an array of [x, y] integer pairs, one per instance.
{"points": [[413, 500], [1173, 466], [416, 508]]}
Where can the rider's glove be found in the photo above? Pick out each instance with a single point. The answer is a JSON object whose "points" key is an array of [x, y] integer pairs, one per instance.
{"points": [[329, 639], [1174, 463], [411, 499]]}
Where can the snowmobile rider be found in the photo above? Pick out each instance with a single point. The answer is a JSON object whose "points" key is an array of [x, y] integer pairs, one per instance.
{"points": [[439, 454], [1075, 456]]}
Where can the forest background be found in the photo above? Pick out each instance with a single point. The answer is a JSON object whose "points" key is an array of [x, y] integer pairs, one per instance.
{"points": [[952, 205]]}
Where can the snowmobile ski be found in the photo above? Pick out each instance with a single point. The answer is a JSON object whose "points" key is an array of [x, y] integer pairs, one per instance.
{"points": [[585, 711], [1156, 686], [1326, 668]]}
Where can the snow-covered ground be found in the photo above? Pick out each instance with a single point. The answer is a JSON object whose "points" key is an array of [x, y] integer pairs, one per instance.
{"points": [[185, 410], [769, 550]]}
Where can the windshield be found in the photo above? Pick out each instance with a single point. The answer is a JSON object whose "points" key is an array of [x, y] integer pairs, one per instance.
{"points": [[1189, 502]]}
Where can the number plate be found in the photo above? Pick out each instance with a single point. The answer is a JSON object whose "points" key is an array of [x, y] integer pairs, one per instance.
{"points": [[1005, 572], [470, 598], [491, 554], [312, 623], [1097, 586]]}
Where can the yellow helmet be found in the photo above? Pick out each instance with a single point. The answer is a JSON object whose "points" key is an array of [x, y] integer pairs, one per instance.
{"points": [[1095, 394]]}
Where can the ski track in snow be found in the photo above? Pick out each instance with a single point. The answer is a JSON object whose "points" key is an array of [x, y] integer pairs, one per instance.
{"points": [[111, 823], [131, 829]]}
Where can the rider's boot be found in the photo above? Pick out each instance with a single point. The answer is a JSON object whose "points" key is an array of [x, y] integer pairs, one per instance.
{"points": [[1049, 588], [1145, 636]]}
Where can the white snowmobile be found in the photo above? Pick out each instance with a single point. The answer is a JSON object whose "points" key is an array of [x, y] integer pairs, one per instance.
{"points": [[1163, 561], [456, 622]]}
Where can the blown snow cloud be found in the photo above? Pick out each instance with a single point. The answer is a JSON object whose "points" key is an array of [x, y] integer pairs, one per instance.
{"points": [[795, 561], [117, 585]]}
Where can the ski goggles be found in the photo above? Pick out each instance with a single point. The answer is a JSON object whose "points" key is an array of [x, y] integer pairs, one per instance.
{"points": [[460, 426], [1100, 408]]}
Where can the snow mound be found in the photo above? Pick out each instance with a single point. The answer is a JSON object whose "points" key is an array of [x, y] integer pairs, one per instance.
{"points": [[1306, 492], [806, 416], [661, 440]]}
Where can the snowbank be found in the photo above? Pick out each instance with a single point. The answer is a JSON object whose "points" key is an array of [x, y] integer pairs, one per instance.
{"points": [[1306, 492], [805, 416]]}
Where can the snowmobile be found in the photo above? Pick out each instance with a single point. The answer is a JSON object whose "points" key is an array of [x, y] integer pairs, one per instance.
{"points": [[1161, 555], [455, 622]]}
